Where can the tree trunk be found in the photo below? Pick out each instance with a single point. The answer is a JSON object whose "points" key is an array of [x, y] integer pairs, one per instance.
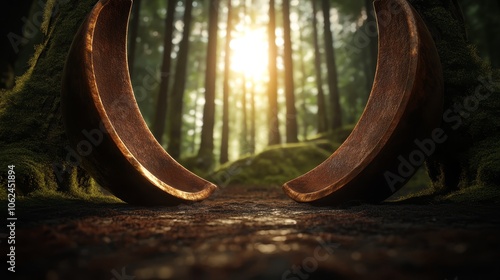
{"points": [[322, 121], [224, 147], [244, 147], [205, 153], [274, 136], [303, 77], [32, 135], [372, 50], [133, 30], [471, 154], [200, 67], [244, 136], [333, 86], [195, 117], [491, 30], [177, 93], [14, 40], [252, 119], [162, 101], [291, 111]]}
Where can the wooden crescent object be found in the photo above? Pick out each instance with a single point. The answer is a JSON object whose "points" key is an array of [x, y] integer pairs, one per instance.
{"points": [[405, 105], [104, 124]]}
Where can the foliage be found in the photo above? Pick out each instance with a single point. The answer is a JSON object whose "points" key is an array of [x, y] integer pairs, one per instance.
{"points": [[254, 16], [275, 165], [34, 141], [348, 18]]}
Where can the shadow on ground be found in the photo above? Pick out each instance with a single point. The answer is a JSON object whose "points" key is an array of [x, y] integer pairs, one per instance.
{"points": [[257, 233]]}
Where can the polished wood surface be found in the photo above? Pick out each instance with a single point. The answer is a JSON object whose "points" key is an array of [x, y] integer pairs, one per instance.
{"points": [[104, 124], [405, 105]]}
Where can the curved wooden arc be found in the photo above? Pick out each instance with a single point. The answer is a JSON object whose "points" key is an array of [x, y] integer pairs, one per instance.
{"points": [[104, 124], [404, 107]]}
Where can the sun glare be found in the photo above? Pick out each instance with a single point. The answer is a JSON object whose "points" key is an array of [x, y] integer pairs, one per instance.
{"points": [[249, 54]]}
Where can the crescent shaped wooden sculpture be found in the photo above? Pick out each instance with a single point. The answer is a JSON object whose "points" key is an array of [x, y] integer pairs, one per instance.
{"points": [[104, 124], [404, 107]]}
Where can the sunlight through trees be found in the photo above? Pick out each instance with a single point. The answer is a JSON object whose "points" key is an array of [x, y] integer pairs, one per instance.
{"points": [[324, 71]]}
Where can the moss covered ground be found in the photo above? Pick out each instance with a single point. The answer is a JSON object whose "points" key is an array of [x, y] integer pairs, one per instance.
{"points": [[273, 166]]}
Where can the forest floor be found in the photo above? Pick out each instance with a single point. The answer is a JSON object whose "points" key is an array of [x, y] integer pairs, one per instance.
{"points": [[257, 233]]}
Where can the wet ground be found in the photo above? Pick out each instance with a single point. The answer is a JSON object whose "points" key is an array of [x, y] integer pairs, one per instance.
{"points": [[258, 233]]}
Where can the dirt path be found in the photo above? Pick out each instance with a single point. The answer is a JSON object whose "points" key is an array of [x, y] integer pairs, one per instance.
{"points": [[257, 233]]}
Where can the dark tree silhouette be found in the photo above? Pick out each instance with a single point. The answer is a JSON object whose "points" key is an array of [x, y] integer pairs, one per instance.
{"points": [[322, 122], [470, 156], [179, 87], [274, 136], [133, 30], [371, 52], [224, 147], [205, 153], [244, 144], [162, 101], [291, 111], [13, 42], [244, 136], [303, 81], [336, 117], [252, 120]]}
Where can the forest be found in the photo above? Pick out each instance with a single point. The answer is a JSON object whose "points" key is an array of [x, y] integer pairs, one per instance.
{"points": [[312, 79], [263, 93], [220, 81], [248, 94]]}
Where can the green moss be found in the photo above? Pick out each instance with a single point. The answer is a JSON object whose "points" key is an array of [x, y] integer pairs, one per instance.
{"points": [[476, 193], [273, 166], [3, 193], [470, 156], [31, 130], [43, 196], [30, 169], [485, 158]]}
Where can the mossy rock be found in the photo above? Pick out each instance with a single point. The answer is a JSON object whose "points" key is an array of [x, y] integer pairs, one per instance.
{"points": [[30, 169], [273, 166]]}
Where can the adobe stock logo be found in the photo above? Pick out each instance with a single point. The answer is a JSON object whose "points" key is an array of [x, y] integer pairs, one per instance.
{"points": [[92, 138], [32, 26], [455, 116], [407, 166], [310, 264], [85, 147]]}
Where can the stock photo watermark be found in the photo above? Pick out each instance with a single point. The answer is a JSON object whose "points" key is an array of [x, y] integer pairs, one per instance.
{"points": [[455, 117], [32, 26], [310, 264], [11, 218], [92, 138], [121, 275], [362, 39], [84, 148]]}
